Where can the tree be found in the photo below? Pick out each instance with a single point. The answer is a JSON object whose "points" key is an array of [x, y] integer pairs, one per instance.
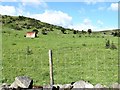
{"points": [[44, 32], [83, 32], [21, 18], [74, 32], [89, 31], [63, 30], [36, 32], [115, 34], [118, 34]]}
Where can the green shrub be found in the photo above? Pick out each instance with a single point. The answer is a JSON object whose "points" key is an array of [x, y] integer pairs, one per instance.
{"points": [[113, 46], [29, 51], [107, 45], [84, 44], [13, 43], [44, 32]]}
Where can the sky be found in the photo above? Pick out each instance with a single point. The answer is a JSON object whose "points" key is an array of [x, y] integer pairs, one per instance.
{"points": [[97, 15]]}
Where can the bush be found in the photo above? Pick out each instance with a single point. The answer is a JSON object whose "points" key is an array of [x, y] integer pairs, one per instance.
{"points": [[89, 31], [16, 27], [84, 32], [74, 32], [29, 51], [13, 43], [84, 44], [113, 46], [118, 34], [36, 32], [44, 32], [63, 31], [80, 36], [107, 45]]}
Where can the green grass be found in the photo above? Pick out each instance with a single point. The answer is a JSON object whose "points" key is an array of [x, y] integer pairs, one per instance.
{"points": [[72, 60]]}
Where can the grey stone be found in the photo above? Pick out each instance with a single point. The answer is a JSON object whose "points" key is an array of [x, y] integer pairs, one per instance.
{"points": [[14, 85], [58, 85], [4, 86], [23, 82], [115, 85], [66, 87], [88, 85], [82, 84], [79, 84], [47, 87], [98, 86]]}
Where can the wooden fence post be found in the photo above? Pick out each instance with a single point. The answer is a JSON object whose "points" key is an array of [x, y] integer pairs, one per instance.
{"points": [[51, 68]]}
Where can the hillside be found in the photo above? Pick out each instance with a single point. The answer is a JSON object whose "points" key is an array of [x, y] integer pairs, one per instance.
{"points": [[23, 23], [75, 56]]}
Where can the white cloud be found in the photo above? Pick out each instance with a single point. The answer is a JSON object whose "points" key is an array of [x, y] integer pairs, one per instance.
{"points": [[87, 21], [7, 10], [105, 28], [113, 7], [34, 3], [100, 22], [82, 26], [85, 25], [93, 1], [8, 0], [54, 17]]}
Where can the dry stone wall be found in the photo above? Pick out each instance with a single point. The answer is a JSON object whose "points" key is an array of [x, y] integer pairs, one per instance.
{"points": [[26, 83]]}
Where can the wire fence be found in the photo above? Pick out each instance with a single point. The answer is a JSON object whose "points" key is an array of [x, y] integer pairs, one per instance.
{"points": [[90, 65], [0, 49], [69, 65]]}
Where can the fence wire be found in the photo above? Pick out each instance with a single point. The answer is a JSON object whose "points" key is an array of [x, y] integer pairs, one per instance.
{"points": [[70, 64]]}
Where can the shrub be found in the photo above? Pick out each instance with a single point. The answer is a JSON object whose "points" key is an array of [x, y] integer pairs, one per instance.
{"points": [[13, 43], [21, 18], [89, 31], [36, 32], [84, 44], [44, 32], [63, 30], [113, 46], [29, 51], [115, 34], [118, 34], [84, 32], [16, 27], [107, 45], [80, 36], [74, 32], [3, 31]]}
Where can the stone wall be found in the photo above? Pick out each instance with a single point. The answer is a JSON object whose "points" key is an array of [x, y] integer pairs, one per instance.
{"points": [[24, 82]]}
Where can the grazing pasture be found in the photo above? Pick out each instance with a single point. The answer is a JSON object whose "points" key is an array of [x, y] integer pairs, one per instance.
{"points": [[75, 57]]}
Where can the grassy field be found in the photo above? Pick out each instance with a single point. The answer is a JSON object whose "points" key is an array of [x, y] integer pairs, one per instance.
{"points": [[74, 57]]}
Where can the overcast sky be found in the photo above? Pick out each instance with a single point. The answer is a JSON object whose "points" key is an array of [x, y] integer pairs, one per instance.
{"points": [[77, 15]]}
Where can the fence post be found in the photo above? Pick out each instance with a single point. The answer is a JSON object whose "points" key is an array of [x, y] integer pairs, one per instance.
{"points": [[51, 68]]}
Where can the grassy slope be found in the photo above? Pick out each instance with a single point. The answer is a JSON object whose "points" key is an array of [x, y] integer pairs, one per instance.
{"points": [[72, 60]]}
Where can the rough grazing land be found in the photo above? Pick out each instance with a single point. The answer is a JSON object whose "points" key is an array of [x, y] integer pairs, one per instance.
{"points": [[75, 56]]}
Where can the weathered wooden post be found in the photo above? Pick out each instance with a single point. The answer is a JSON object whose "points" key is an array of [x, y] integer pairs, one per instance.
{"points": [[51, 68]]}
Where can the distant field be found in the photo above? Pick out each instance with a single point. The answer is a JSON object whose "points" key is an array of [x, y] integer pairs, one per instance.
{"points": [[75, 57]]}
